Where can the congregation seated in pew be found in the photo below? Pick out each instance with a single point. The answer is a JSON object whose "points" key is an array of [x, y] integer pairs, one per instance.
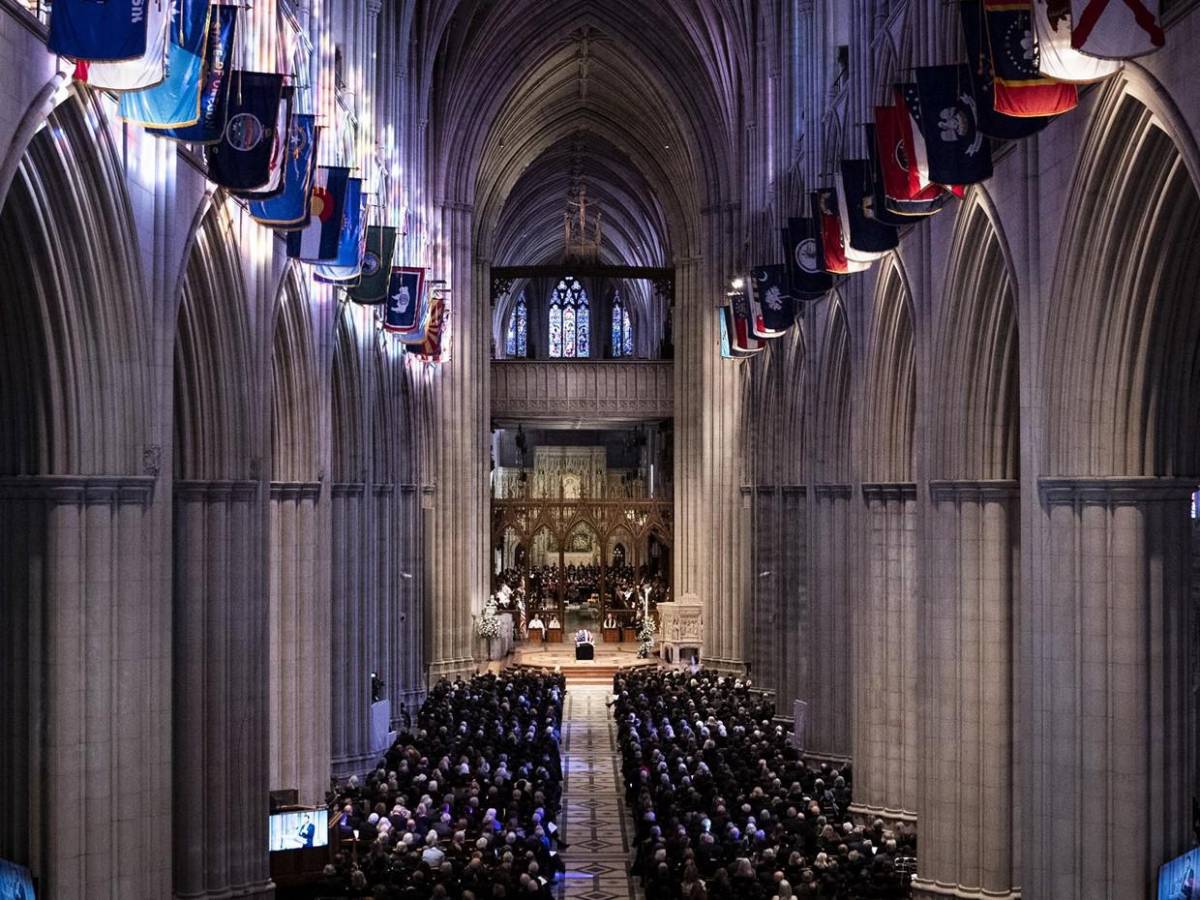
{"points": [[726, 809], [465, 804]]}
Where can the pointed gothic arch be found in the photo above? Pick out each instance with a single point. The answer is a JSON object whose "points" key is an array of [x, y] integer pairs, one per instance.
{"points": [[294, 402], [975, 412], [832, 412], [891, 383], [1124, 379], [74, 351], [214, 413]]}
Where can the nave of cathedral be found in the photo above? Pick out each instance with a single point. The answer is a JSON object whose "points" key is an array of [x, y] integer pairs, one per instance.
{"points": [[684, 449]]}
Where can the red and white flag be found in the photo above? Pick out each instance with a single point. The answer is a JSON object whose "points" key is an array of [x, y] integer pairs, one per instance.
{"points": [[1057, 59], [1116, 29]]}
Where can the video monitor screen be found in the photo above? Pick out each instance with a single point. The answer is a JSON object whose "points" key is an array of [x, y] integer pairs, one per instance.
{"points": [[299, 829], [15, 882], [1180, 878]]}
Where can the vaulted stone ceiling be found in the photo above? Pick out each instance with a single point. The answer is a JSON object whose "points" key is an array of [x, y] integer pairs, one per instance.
{"points": [[649, 88]]}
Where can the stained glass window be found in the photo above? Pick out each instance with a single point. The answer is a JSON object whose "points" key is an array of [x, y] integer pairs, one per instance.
{"points": [[556, 342], [570, 321], [622, 332], [569, 331], [516, 340], [522, 328]]}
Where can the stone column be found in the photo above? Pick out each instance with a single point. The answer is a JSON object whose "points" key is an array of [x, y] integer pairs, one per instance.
{"points": [[407, 679], [885, 653], [85, 684], [967, 729], [458, 535], [221, 734], [711, 543], [830, 689], [300, 611], [1105, 646], [354, 632]]}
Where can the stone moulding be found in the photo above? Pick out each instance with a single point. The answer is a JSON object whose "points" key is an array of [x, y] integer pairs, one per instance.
{"points": [[80, 489], [892, 490], [1115, 491], [999, 489]]}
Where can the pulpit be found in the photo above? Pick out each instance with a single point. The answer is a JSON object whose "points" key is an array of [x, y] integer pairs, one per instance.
{"points": [[681, 630], [554, 635]]}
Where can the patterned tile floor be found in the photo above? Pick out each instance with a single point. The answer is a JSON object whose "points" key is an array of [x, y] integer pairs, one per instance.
{"points": [[594, 820]]}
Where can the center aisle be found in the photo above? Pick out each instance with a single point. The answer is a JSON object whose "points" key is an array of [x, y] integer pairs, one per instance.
{"points": [[594, 820]]}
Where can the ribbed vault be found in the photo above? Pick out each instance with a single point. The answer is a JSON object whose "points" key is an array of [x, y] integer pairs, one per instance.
{"points": [[512, 81]]}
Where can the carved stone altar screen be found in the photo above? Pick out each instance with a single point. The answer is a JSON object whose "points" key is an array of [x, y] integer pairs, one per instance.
{"points": [[634, 521]]}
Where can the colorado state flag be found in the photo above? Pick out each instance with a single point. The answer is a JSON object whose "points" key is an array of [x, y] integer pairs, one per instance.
{"points": [[318, 242]]}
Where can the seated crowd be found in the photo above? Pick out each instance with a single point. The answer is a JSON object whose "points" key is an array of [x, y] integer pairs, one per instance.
{"points": [[726, 808], [464, 804]]}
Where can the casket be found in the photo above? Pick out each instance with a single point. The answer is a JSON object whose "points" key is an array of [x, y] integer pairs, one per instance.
{"points": [[585, 651]]}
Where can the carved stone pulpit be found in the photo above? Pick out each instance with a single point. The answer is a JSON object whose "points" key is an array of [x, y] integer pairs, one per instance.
{"points": [[681, 630]]}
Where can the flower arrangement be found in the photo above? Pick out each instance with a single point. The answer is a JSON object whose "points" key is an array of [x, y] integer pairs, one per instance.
{"points": [[488, 623], [646, 632], [583, 636]]}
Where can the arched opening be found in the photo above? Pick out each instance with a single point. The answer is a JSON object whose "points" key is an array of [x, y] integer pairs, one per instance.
{"points": [[79, 505], [221, 728], [885, 632], [969, 714], [299, 581], [1123, 384], [355, 615]]}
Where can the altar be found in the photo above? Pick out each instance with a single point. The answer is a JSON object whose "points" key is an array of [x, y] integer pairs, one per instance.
{"points": [[681, 630]]}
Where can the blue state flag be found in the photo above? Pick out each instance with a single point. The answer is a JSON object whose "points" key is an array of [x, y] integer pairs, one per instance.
{"points": [[348, 264], [175, 101], [98, 29], [218, 54], [290, 208], [403, 314], [241, 160], [318, 242]]}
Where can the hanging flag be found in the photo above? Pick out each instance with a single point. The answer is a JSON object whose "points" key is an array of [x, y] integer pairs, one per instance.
{"points": [[376, 266], [134, 74], [983, 81], [214, 90], [806, 259], [758, 324], [290, 208], [769, 286], [744, 343], [957, 151], [241, 160], [347, 265], [865, 236], [433, 330], [723, 326], [887, 210], [404, 299], [899, 182], [91, 30], [1057, 59], [318, 241], [909, 103], [833, 241], [175, 101], [1116, 29], [279, 140], [1020, 89]]}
